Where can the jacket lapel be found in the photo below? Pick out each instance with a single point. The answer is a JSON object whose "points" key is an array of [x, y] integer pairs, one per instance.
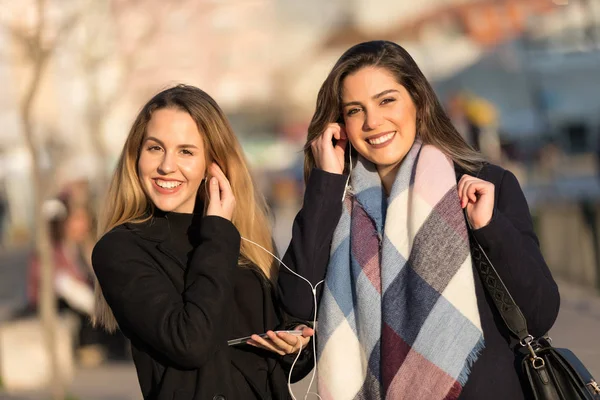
{"points": [[156, 229]]}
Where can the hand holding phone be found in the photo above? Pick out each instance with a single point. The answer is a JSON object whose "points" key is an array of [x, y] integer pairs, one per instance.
{"points": [[245, 339], [282, 342]]}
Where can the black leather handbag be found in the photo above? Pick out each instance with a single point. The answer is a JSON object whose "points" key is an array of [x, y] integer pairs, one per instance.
{"points": [[551, 373]]}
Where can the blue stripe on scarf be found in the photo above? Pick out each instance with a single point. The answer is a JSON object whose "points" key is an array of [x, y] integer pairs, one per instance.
{"points": [[407, 303], [339, 280], [367, 199], [446, 351]]}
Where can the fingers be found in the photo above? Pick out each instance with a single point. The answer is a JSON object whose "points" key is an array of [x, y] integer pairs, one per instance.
{"points": [[224, 185], [221, 201], [265, 344], [336, 134], [281, 343], [467, 190], [470, 189], [273, 343], [294, 343], [328, 157], [214, 197], [332, 131], [306, 331], [284, 342]]}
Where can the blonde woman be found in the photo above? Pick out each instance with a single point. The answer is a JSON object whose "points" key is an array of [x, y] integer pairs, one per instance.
{"points": [[172, 269]]}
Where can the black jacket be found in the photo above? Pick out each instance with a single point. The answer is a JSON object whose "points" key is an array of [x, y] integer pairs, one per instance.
{"points": [[179, 317], [508, 240]]}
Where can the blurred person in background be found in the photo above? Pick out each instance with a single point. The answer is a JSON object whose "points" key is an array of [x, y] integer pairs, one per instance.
{"points": [[173, 272], [457, 112], [80, 196], [476, 119], [403, 313], [73, 283]]}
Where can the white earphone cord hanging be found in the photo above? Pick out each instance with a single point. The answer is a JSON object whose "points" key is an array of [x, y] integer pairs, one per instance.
{"points": [[314, 293]]}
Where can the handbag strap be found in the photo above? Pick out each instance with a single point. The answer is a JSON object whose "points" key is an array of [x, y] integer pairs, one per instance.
{"points": [[508, 309]]}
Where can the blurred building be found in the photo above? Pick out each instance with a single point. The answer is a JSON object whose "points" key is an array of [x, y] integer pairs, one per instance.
{"points": [[264, 61], [444, 36]]}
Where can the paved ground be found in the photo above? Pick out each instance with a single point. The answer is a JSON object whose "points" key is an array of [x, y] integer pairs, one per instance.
{"points": [[577, 328], [578, 325], [114, 381]]}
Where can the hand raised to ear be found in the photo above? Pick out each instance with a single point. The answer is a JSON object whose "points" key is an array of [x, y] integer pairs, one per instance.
{"points": [[330, 157], [221, 199]]}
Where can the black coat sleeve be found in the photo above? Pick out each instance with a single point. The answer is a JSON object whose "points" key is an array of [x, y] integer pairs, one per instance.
{"points": [[186, 328], [513, 248], [308, 252]]}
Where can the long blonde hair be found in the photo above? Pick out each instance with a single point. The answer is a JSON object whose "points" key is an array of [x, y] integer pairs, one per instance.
{"points": [[127, 202], [433, 125]]}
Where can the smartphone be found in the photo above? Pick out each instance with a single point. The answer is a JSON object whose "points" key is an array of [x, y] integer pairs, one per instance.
{"points": [[243, 340]]}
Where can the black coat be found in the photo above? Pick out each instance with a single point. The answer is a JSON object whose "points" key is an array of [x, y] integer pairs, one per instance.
{"points": [[179, 317], [508, 240]]}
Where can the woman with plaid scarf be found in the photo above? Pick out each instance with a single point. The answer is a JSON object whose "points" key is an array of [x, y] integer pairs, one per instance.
{"points": [[392, 189]]}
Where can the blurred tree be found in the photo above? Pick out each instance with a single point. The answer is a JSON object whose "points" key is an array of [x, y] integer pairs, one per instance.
{"points": [[96, 51], [37, 41], [108, 68]]}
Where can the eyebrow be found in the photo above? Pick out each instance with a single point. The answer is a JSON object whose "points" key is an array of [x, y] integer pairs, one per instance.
{"points": [[181, 146], [375, 97]]}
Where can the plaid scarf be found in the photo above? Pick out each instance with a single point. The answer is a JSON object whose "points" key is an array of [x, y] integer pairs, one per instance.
{"points": [[398, 316]]}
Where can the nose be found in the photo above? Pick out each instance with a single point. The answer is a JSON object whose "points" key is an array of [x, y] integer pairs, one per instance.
{"points": [[168, 164], [372, 120]]}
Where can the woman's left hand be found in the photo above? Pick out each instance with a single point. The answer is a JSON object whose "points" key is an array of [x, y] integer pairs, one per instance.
{"points": [[477, 196], [283, 343]]}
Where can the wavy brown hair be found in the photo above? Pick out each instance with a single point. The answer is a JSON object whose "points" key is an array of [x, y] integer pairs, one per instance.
{"points": [[433, 124], [127, 202]]}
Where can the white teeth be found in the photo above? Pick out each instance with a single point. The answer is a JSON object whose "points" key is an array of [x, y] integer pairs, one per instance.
{"points": [[382, 139], [167, 184]]}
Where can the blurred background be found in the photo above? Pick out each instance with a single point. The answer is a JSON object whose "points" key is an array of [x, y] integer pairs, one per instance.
{"points": [[520, 79]]}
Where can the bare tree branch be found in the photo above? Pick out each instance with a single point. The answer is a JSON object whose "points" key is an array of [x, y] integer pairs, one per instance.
{"points": [[37, 55]]}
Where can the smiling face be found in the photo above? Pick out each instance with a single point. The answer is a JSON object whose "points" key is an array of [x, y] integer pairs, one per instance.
{"points": [[172, 161], [380, 117]]}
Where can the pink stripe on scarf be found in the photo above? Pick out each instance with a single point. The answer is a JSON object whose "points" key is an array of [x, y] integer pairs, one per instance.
{"points": [[419, 379], [434, 176], [365, 245]]}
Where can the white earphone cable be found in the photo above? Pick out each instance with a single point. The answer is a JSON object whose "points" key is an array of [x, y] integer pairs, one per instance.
{"points": [[314, 292]]}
